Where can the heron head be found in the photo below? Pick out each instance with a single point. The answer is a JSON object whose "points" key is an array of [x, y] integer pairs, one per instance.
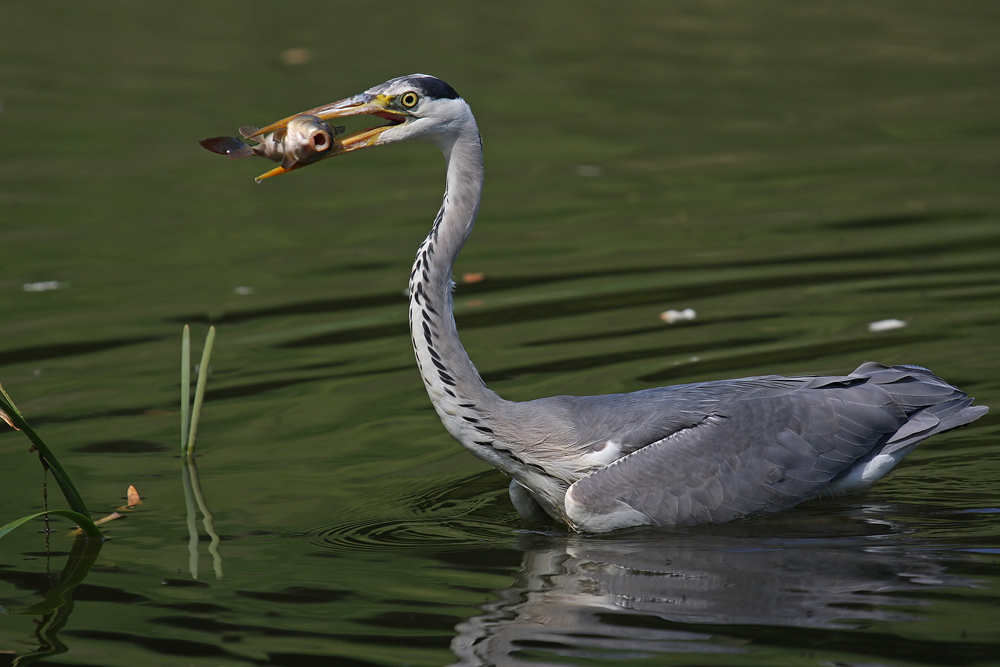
{"points": [[416, 106]]}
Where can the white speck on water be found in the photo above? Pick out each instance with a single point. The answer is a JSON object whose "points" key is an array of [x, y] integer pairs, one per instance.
{"points": [[243, 290], [885, 325], [671, 316], [44, 286]]}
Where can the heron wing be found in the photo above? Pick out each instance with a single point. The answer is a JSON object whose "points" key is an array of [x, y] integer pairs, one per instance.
{"points": [[760, 450]]}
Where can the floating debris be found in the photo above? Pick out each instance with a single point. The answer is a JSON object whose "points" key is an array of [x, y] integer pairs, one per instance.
{"points": [[110, 517], [885, 325], [589, 170], [671, 316], [295, 56], [44, 286]]}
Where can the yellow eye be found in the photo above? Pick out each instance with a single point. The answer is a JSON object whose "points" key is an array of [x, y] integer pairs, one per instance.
{"points": [[409, 100]]}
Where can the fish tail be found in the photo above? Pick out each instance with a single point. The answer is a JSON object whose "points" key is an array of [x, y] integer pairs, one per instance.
{"points": [[231, 146]]}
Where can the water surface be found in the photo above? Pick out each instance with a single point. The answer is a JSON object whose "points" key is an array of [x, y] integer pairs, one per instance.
{"points": [[792, 174]]}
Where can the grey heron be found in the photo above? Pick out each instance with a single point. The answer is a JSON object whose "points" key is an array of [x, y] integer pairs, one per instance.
{"points": [[679, 455]]}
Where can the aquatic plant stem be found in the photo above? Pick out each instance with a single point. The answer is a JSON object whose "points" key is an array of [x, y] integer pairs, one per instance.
{"points": [[199, 392], [185, 387], [48, 459], [193, 495]]}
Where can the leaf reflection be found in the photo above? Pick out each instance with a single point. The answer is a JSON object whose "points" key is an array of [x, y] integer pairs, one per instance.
{"points": [[57, 606]]}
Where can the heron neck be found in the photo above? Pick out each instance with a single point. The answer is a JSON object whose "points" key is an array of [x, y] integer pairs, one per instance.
{"points": [[455, 387]]}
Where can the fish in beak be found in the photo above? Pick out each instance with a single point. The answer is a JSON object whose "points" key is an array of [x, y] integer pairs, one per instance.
{"points": [[308, 137]]}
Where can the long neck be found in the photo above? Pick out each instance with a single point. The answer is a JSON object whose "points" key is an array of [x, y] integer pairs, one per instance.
{"points": [[518, 438], [458, 393]]}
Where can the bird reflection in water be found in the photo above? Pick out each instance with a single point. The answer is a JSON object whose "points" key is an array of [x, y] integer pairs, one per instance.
{"points": [[704, 590]]}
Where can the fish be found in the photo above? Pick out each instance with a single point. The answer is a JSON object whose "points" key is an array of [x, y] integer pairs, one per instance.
{"points": [[304, 141]]}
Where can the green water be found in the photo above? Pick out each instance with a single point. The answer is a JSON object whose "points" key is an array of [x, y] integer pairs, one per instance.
{"points": [[792, 172]]}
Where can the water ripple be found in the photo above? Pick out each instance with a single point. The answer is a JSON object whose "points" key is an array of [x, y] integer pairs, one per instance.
{"points": [[468, 511], [424, 534]]}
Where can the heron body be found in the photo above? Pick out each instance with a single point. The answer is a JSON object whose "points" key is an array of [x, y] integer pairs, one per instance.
{"points": [[679, 455]]}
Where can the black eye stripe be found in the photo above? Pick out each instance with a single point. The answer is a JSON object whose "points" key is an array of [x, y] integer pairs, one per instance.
{"points": [[424, 86], [436, 88]]}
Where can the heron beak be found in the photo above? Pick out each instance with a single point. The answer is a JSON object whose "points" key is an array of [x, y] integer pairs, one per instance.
{"points": [[359, 105]]}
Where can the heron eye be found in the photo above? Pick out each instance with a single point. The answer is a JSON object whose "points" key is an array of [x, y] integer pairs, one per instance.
{"points": [[409, 100]]}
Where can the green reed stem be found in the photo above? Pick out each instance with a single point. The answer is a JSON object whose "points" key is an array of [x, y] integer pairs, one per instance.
{"points": [[199, 392], [185, 387]]}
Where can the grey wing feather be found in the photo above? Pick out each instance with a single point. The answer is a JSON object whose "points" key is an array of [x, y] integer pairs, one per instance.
{"points": [[767, 444]]}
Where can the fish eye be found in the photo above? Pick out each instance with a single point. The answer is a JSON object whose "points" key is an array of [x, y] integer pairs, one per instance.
{"points": [[409, 100]]}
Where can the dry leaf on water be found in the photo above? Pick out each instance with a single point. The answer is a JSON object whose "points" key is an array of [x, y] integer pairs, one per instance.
{"points": [[110, 517]]}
